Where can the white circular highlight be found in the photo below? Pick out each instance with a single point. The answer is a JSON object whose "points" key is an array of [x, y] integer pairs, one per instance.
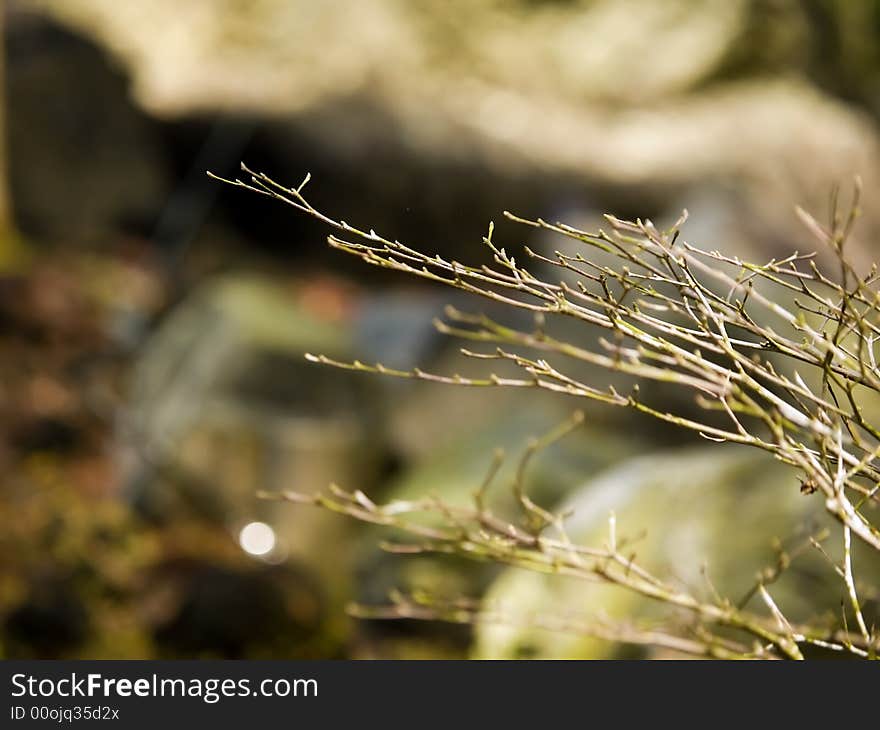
{"points": [[257, 538]]}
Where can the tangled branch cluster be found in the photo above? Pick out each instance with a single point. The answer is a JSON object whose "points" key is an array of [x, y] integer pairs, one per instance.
{"points": [[712, 324]]}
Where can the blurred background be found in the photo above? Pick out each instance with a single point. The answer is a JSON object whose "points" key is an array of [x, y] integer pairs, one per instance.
{"points": [[153, 322]]}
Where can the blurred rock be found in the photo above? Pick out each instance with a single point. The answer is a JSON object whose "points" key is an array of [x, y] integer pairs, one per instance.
{"points": [[721, 507], [452, 470], [224, 406], [272, 54], [631, 96]]}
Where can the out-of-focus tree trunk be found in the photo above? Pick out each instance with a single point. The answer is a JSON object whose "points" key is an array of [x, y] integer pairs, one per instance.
{"points": [[11, 252], [5, 200]]}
